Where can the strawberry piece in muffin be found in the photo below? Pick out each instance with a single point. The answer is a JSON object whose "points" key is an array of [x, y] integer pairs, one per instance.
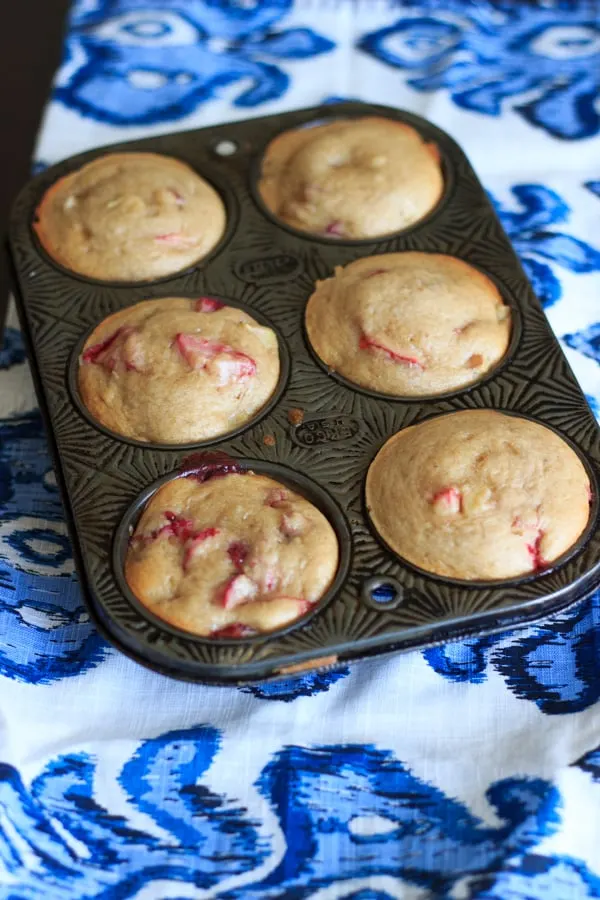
{"points": [[230, 364], [366, 343]]}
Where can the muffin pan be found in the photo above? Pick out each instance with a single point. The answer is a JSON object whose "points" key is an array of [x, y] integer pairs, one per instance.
{"points": [[319, 434]]}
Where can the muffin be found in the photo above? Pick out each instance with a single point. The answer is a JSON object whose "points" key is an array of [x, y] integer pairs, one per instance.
{"points": [[130, 217], [409, 324], [230, 556], [175, 370], [352, 178], [478, 495]]}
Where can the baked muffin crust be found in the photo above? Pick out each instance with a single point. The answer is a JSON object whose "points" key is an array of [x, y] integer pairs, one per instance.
{"points": [[232, 555], [409, 324], [130, 217], [478, 495], [176, 370], [352, 178]]}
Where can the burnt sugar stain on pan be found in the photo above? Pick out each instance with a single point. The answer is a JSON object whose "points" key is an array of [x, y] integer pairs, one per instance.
{"points": [[319, 432]]}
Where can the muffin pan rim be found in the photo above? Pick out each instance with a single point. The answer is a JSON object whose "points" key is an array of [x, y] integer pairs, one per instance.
{"points": [[381, 646]]}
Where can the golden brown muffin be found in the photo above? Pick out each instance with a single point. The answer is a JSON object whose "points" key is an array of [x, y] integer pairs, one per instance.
{"points": [[478, 495], [233, 554], [175, 370], [409, 324], [130, 217], [352, 178]]}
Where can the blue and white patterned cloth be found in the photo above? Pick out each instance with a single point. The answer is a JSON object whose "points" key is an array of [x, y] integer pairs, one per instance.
{"points": [[467, 771]]}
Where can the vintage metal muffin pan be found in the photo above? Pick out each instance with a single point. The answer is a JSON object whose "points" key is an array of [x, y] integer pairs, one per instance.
{"points": [[378, 603]]}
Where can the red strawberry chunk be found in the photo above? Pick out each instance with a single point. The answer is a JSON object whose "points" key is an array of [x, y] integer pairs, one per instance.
{"points": [[175, 239], [366, 343], [590, 496], [237, 552], [208, 305], [207, 465], [198, 352], [237, 630], [114, 352], [196, 540], [334, 229], [238, 590], [183, 530], [537, 560], [448, 500], [176, 526], [277, 498]]}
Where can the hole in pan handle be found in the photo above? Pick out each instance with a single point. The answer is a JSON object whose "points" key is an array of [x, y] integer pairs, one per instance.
{"points": [[225, 147], [382, 592]]}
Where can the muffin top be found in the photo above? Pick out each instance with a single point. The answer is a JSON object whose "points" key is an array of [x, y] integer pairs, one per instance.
{"points": [[409, 324], [130, 217], [177, 370], [232, 555], [352, 178], [478, 495]]}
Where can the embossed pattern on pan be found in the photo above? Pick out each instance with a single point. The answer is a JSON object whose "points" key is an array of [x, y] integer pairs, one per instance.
{"points": [[271, 270]]}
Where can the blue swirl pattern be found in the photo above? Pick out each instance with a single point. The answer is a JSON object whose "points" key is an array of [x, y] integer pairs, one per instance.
{"points": [[47, 633], [538, 244], [543, 62], [206, 839], [419, 776], [386, 822], [554, 665], [149, 61]]}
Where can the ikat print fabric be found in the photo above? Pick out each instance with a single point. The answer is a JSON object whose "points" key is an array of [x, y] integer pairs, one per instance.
{"points": [[469, 771]]}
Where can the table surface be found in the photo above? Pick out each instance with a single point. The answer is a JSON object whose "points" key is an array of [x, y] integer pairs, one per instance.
{"points": [[28, 59]]}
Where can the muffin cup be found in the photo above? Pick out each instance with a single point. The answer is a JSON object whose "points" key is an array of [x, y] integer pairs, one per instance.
{"points": [[284, 372], [429, 134], [293, 480], [577, 547], [73, 164], [515, 336]]}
